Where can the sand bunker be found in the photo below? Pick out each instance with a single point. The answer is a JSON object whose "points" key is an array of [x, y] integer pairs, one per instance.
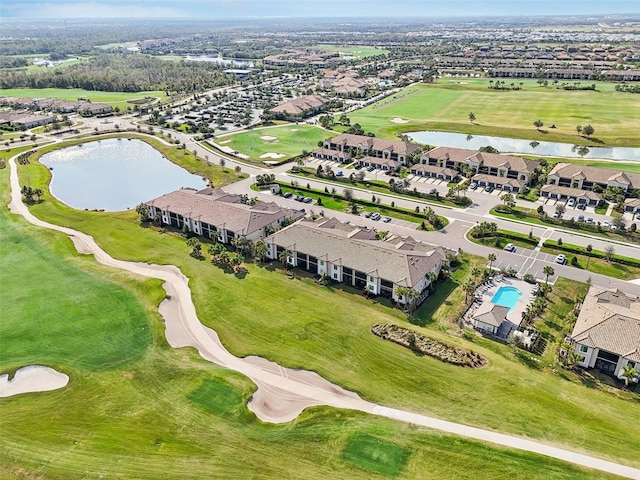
{"points": [[399, 120], [268, 138], [223, 142], [34, 378], [272, 155]]}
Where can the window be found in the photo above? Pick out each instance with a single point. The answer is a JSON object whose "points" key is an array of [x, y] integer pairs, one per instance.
{"points": [[322, 262], [335, 267], [631, 364], [584, 348], [335, 276]]}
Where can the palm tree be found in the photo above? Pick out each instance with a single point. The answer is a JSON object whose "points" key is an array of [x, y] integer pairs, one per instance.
{"points": [[472, 117], [412, 297], [401, 292], [538, 124], [492, 258], [548, 272], [629, 373], [238, 169], [283, 257], [469, 287], [260, 249], [475, 273], [588, 248]]}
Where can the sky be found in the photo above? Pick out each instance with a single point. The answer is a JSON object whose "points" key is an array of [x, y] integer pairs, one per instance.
{"points": [[307, 8]]}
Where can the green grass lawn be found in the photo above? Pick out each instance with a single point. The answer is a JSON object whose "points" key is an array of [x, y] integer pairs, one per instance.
{"points": [[445, 106], [358, 52], [114, 99], [148, 411], [287, 140], [293, 328]]}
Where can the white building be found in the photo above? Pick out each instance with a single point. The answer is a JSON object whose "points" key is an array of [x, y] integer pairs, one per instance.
{"points": [[607, 332]]}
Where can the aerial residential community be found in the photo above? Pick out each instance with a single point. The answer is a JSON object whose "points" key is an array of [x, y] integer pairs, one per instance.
{"points": [[294, 240]]}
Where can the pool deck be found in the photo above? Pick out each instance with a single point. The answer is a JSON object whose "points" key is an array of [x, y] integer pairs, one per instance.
{"points": [[485, 293]]}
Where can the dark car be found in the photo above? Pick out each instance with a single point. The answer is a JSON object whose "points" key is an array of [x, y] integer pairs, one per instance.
{"points": [[288, 195]]}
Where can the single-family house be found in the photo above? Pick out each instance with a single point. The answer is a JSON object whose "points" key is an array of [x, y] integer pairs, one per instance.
{"points": [[607, 333]]}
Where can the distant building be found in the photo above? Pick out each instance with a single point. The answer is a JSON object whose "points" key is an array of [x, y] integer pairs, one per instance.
{"points": [[300, 107], [387, 152]]}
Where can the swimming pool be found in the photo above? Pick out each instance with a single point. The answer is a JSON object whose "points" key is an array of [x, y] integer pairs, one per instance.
{"points": [[507, 297]]}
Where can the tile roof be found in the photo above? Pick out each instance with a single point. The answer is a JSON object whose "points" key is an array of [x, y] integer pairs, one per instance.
{"points": [[357, 248], [421, 167], [217, 207], [609, 320], [483, 177], [594, 174], [299, 105], [493, 160], [570, 192], [374, 143], [491, 314]]}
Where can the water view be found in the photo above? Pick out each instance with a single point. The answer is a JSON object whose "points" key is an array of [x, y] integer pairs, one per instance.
{"points": [[115, 174], [514, 145]]}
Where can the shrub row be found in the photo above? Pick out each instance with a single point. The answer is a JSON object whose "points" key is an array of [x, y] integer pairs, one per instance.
{"points": [[359, 201], [578, 250], [521, 237], [428, 346]]}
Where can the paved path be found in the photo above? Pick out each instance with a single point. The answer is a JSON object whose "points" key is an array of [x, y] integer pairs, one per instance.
{"points": [[282, 392]]}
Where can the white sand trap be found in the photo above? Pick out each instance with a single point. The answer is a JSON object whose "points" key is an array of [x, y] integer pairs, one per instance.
{"points": [[399, 120], [34, 378], [268, 138], [225, 141], [272, 155]]}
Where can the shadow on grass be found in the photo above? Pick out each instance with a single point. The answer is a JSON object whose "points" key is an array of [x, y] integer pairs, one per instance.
{"points": [[424, 315], [526, 359]]}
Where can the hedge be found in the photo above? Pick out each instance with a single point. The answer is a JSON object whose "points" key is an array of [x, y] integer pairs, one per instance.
{"points": [[578, 250], [359, 201]]}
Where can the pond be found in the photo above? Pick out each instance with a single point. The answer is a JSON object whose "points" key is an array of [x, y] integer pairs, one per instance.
{"points": [[514, 145], [112, 175]]}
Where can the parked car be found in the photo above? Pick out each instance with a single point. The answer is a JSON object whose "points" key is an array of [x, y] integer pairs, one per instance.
{"points": [[581, 206], [561, 259], [581, 218], [571, 202], [368, 214], [288, 195], [376, 216], [307, 199], [488, 189], [339, 174], [557, 215], [606, 224], [590, 221], [371, 169], [510, 247], [299, 198], [474, 185], [432, 191], [358, 166], [386, 219]]}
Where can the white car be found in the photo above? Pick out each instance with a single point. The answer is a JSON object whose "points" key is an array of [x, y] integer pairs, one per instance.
{"points": [[571, 202], [561, 259], [606, 224], [510, 247]]}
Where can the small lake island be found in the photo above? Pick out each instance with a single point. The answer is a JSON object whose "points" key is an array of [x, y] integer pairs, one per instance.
{"points": [[113, 175]]}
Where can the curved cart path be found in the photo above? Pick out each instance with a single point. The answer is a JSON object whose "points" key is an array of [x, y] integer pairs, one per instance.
{"points": [[282, 393]]}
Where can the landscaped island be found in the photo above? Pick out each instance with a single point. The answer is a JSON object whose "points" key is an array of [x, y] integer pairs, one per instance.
{"points": [[428, 346]]}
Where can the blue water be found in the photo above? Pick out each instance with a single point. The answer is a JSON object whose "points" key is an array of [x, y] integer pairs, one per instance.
{"points": [[507, 297], [518, 146], [114, 175]]}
